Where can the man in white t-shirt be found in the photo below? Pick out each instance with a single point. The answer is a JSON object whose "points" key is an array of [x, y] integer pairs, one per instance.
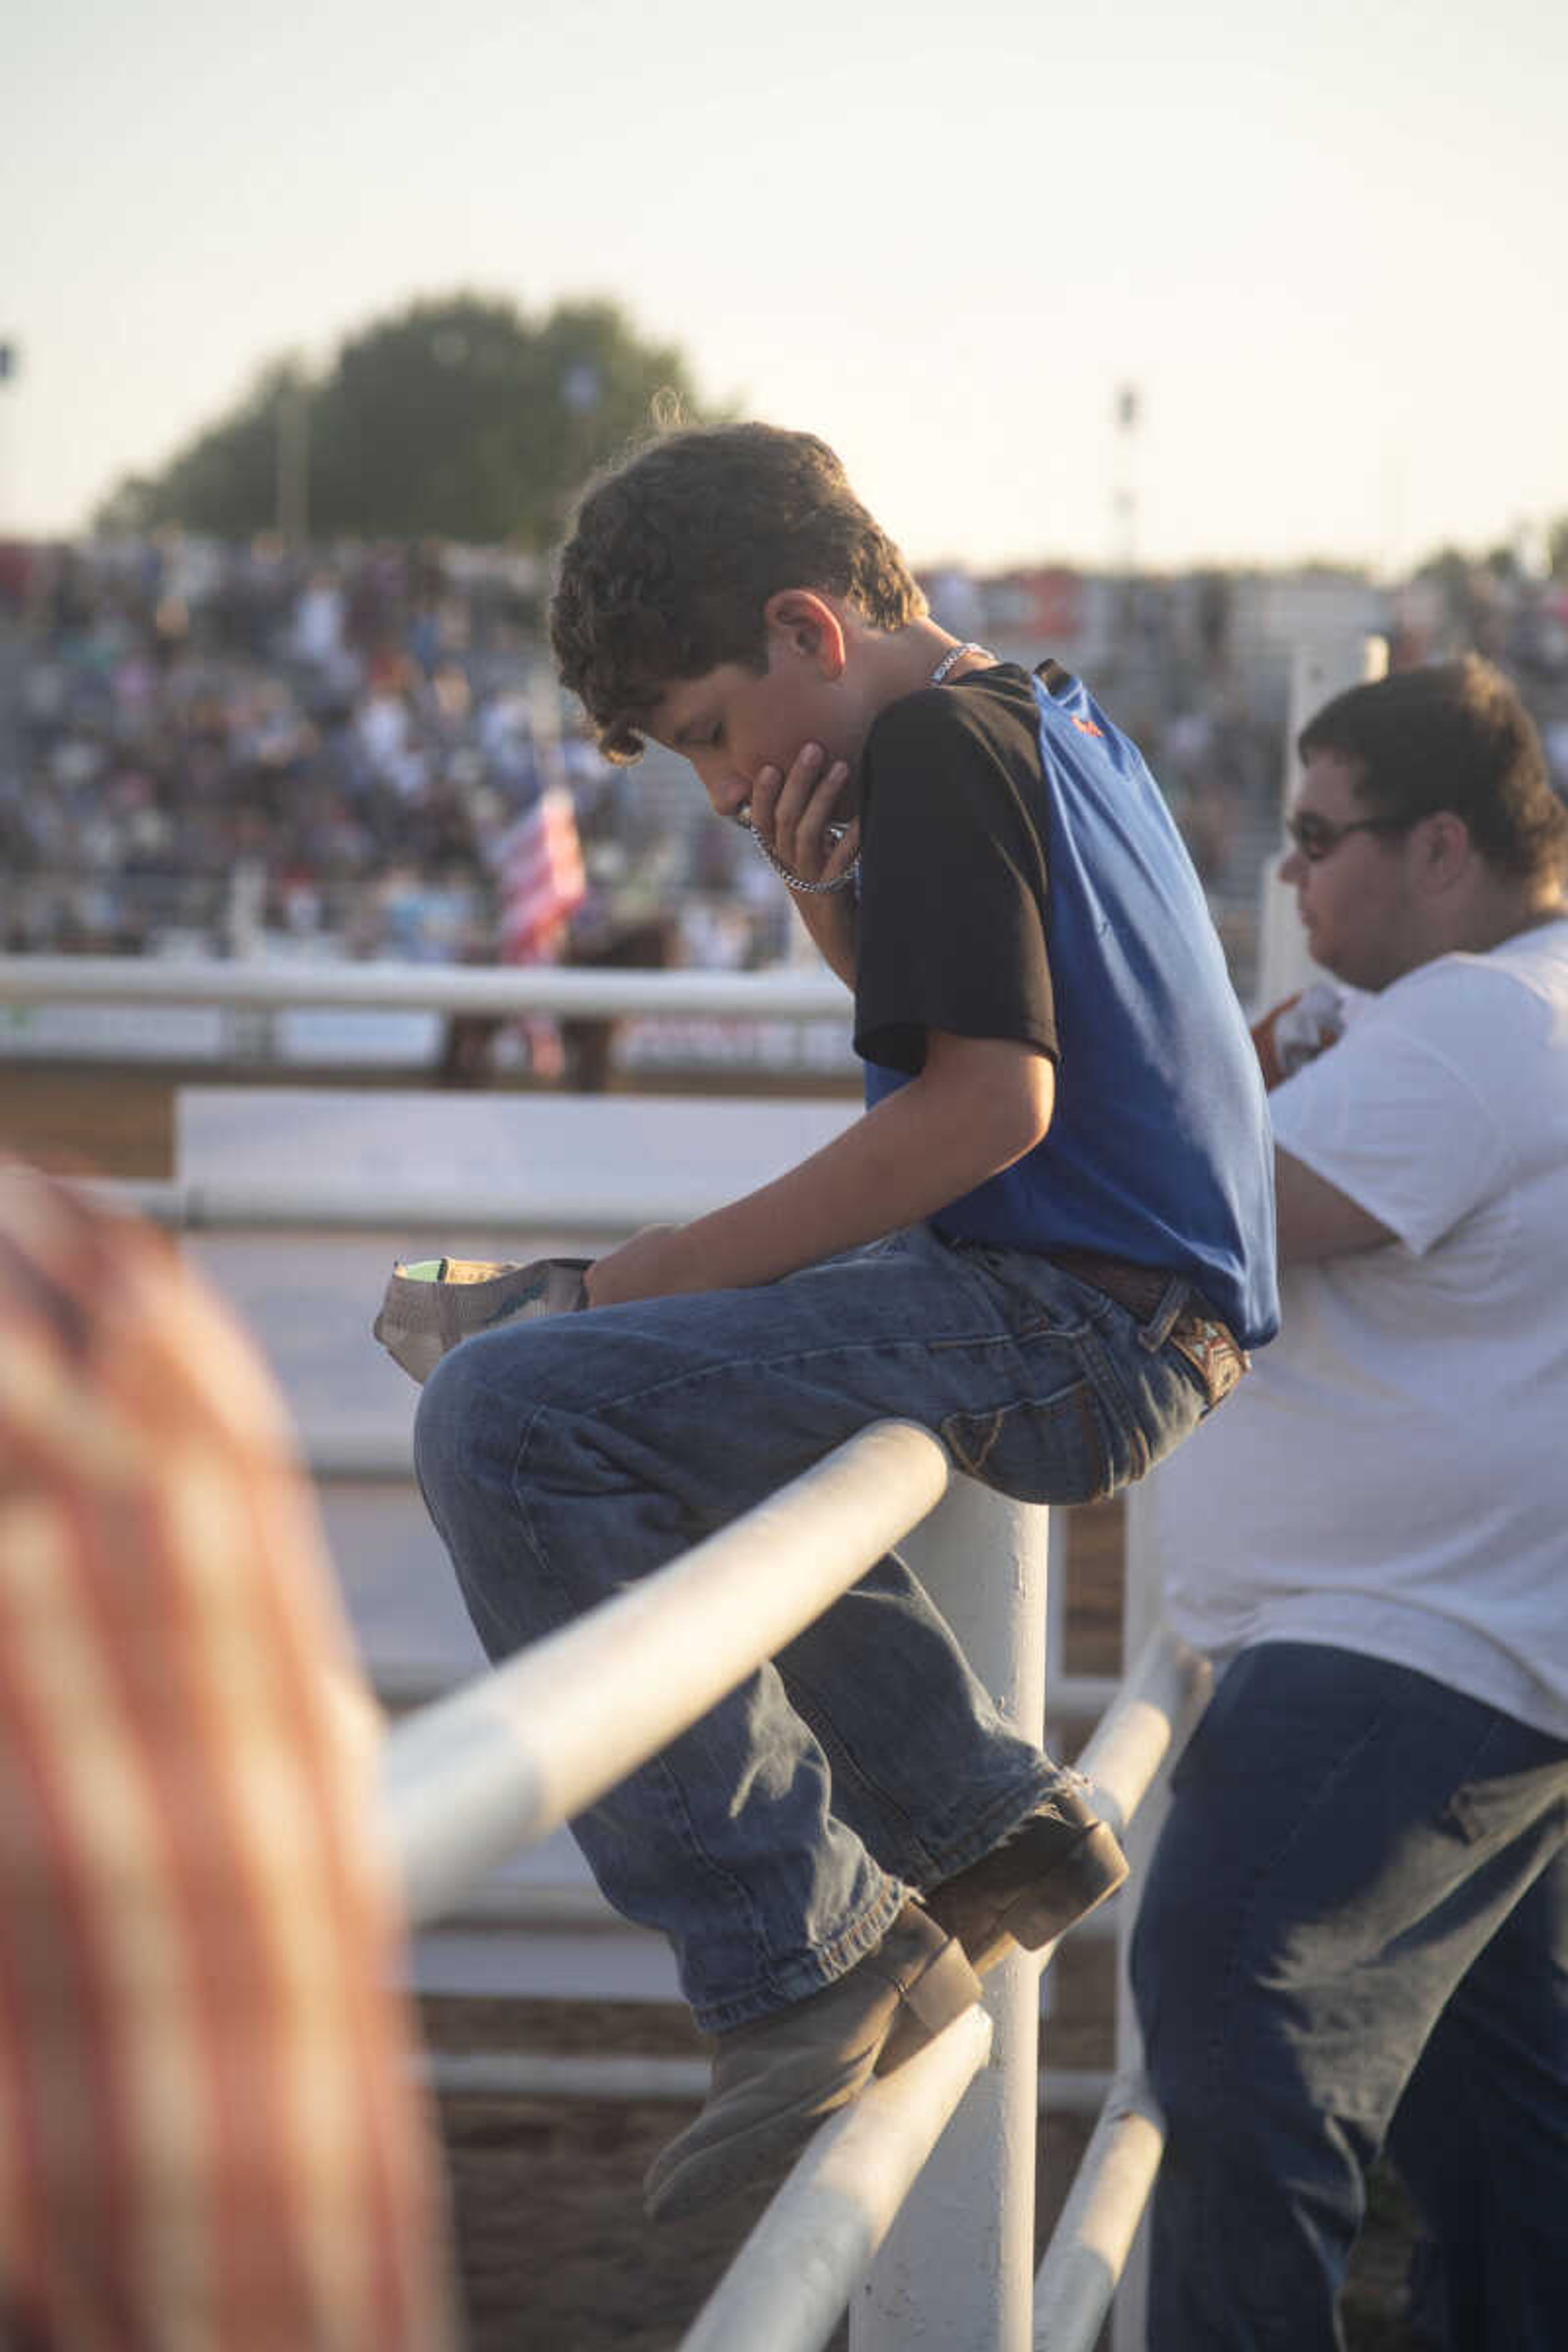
{"points": [[1355, 1928]]}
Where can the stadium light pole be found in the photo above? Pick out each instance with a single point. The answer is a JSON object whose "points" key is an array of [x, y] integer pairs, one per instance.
{"points": [[9, 359], [293, 466]]}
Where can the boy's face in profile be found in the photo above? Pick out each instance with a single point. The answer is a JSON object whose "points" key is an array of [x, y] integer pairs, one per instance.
{"points": [[731, 722]]}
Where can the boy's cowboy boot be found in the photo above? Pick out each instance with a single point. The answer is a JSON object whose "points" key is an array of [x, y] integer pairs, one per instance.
{"points": [[774, 2081], [1041, 1879]]}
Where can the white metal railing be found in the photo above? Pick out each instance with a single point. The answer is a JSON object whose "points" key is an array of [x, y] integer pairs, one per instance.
{"points": [[1167, 1687], [506, 1759], [616, 2080], [509, 1756], [267, 1206], [388, 987], [787, 2287], [1123, 1762], [1094, 2235]]}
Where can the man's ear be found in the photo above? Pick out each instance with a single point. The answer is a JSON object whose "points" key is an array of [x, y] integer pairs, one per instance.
{"points": [[1445, 849], [807, 625]]}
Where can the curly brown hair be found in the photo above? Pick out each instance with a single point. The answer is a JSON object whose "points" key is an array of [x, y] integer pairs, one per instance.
{"points": [[1452, 735], [673, 553]]}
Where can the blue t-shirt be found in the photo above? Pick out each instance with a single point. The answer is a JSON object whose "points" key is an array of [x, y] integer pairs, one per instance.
{"points": [[1032, 833]]}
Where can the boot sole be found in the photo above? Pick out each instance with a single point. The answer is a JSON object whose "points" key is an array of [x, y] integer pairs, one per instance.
{"points": [[1063, 1891], [1080, 1882]]}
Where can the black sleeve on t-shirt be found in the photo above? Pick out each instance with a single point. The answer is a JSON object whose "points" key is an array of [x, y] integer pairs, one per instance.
{"points": [[952, 926]]}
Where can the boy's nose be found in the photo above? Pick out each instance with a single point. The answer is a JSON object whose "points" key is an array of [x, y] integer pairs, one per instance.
{"points": [[729, 799], [727, 791]]}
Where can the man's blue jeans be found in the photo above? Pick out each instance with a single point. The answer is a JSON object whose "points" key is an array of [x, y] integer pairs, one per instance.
{"points": [[775, 1841], [1355, 1933]]}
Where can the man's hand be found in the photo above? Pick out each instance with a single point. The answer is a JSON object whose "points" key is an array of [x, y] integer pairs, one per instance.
{"points": [[1297, 1030]]}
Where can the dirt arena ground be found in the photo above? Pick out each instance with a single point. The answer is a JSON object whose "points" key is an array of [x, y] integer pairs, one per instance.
{"points": [[554, 2253]]}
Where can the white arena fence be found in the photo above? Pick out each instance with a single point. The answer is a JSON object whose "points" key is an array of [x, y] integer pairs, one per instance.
{"points": [[501, 1761], [385, 986], [915, 2206], [508, 1757]]}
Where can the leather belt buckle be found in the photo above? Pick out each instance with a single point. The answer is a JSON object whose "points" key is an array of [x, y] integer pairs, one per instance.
{"points": [[1214, 1353]]}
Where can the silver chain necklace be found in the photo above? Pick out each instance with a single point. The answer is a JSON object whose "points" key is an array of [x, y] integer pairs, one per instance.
{"points": [[952, 658], [835, 833]]}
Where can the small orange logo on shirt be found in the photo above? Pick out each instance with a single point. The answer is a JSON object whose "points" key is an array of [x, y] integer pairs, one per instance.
{"points": [[1087, 727]]}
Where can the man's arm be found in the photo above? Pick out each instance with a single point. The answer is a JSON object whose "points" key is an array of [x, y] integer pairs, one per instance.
{"points": [[978, 1104], [1315, 1220]]}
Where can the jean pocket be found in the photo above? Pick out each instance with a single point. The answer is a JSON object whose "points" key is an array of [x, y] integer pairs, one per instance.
{"points": [[1034, 1298], [1051, 1450]]}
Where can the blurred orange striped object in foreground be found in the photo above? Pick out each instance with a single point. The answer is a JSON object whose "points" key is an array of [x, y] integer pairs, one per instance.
{"points": [[209, 2138]]}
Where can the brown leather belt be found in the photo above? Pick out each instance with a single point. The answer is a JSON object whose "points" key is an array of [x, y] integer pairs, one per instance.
{"points": [[1138, 1289], [1209, 1346]]}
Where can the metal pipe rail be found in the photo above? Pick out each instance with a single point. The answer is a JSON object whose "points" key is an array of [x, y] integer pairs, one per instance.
{"points": [[508, 1757], [272, 1208], [504, 1759], [618, 2078], [512, 1755], [786, 2289], [1122, 1762], [388, 987], [1089, 2250], [1163, 1697]]}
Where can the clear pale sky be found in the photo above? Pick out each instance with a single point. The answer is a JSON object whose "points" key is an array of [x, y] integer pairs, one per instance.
{"points": [[1325, 241]]}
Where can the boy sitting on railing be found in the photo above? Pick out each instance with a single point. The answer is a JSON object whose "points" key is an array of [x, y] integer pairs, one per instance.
{"points": [[1050, 1241]]}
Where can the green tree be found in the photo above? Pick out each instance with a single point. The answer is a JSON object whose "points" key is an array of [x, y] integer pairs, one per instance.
{"points": [[457, 418], [225, 479]]}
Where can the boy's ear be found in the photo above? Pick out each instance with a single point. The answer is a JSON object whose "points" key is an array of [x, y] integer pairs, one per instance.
{"points": [[807, 625]]}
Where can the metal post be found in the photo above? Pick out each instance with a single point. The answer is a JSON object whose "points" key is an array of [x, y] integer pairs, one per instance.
{"points": [[1141, 1612], [957, 2266]]}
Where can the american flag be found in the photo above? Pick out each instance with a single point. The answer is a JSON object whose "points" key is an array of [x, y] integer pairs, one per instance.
{"points": [[541, 878]]}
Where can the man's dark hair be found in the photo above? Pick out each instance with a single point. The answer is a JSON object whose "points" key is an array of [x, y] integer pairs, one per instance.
{"points": [[1451, 735], [673, 553]]}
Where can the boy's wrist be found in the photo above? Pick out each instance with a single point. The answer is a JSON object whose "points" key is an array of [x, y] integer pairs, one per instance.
{"points": [[653, 1264], [830, 926]]}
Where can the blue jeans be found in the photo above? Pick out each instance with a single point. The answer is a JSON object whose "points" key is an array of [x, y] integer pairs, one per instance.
{"points": [[1355, 1933], [774, 1841]]}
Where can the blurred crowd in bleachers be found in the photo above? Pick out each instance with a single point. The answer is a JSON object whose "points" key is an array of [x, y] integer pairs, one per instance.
{"points": [[215, 744], [232, 749]]}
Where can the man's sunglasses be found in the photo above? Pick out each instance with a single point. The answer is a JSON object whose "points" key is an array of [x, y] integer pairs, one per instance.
{"points": [[1316, 836]]}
